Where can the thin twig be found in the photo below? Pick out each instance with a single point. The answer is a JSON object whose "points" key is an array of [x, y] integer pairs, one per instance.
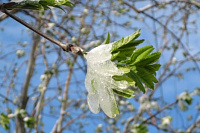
{"points": [[63, 46], [193, 126], [9, 100], [159, 111], [171, 32], [65, 98], [66, 47]]}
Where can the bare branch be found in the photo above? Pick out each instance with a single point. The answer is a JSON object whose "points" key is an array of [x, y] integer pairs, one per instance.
{"points": [[192, 2], [24, 91], [66, 47], [64, 100], [9, 100], [195, 124], [165, 107]]}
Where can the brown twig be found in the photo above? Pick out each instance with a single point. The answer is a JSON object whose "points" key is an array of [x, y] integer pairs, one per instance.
{"points": [[66, 47]]}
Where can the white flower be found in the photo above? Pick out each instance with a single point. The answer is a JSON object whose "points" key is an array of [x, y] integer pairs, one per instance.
{"points": [[85, 11], [40, 87], [100, 125], [20, 53], [122, 102], [11, 115], [82, 106], [110, 121], [130, 107], [174, 60], [34, 98], [85, 31], [26, 118], [182, 95], [166, 121], [60, 98], [50, 26], [68, 113], [22, 112], [24, 44], [143, 98], [74, 39], [43, 77], [154, 105], [197, 91]]}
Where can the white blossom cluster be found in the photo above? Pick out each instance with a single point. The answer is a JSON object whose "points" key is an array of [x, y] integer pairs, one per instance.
{"points": [[20, 53]]}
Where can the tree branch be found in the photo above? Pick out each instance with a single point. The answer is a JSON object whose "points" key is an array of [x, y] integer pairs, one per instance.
{"points": [[40, 104], [24, 91], [166, 106], [193, 2], [9, 100], [165, 27], [4, 16], [66, 47], [64, 100], [191, 128]]}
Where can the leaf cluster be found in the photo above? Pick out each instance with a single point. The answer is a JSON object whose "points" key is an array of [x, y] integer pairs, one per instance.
{"points": [[4, 121], [139, 65], [38, 4]]}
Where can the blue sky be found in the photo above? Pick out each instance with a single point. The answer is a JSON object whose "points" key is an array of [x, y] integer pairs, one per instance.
{"points": [[170, 89]]}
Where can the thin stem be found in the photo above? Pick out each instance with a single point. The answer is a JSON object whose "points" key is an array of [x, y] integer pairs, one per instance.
{"points": [[143, 122], [66, 47], [9, 100], [65, 98], [60, 44]]}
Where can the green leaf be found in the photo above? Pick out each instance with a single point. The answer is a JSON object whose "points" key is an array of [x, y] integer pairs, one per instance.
{"points": [[140, 54], [29, 122], [185, 96], [116, 66], [125, 42], [137, 79], [38, 4], [120, 78], [140, 63], [146, 77], [140, 128], [4, 121], [107, 41], [100, 83], [127, 93], [149, 59]]}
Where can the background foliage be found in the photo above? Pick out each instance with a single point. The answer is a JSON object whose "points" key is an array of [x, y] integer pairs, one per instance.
{"points": [[42, 88]]}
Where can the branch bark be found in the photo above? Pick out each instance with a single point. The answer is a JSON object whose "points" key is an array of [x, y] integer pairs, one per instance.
{"points": [[4, 16], [40, 104], [126, 129], [58, 126], [66, 47], [24, 91], [191, 128]]}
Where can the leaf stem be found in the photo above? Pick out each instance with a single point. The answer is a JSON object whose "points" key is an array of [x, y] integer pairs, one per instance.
{"points": [[63, 46], [66, 47]]}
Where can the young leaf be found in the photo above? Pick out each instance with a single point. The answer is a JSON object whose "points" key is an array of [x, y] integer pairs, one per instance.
{"points": [[99, 81], [107, 41], [127, 93], [37, 4], [140, 62], [116, 66], [125, 42], [4, 121]]}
